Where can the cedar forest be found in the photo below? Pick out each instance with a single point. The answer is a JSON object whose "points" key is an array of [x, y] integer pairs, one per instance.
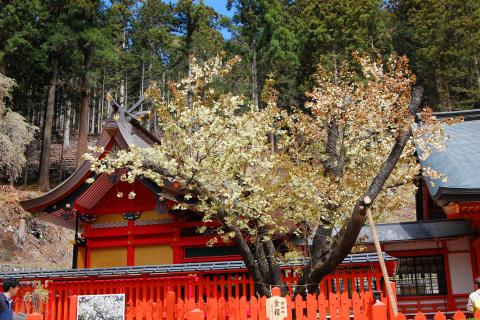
{"points": [[67, 54]]}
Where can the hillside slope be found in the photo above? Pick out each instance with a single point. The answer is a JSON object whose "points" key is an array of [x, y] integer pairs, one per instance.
{"points": [[46, 246]]}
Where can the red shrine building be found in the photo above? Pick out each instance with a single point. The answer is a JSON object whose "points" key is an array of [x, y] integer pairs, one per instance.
{"points": [[433, 260], [115, 231], [439, 254]]}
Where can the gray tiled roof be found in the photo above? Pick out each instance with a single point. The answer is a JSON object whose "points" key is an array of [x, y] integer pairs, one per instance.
{"points": [[421, 230], [130, 136], [460, 162], [168, 269]]}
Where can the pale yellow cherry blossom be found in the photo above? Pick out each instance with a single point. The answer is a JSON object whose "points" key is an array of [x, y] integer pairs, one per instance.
{"points": [[265, 173]]}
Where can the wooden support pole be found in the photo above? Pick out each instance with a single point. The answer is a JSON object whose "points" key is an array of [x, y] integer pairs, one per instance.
{"points": [[367, 201]]}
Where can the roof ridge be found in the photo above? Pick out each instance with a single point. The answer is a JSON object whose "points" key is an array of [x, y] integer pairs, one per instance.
{"points": [[416, 222], [467, 115]]}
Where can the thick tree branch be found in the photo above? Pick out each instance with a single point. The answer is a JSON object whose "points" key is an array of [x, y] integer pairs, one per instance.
{"points": [[261, 259], [332, 135], [250, 263], [274, 267], [323, 264]]}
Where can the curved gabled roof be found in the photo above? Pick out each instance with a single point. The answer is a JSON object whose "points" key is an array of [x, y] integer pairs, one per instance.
{"points": [[68, 186], [120, 131]]}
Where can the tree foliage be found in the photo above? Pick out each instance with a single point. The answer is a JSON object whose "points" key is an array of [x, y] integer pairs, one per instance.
{"points": [[307, 180], [15, 135], [441, 38]]}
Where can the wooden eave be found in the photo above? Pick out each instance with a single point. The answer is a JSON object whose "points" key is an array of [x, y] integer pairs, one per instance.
{"points": [[75, 185], [68, 186]]}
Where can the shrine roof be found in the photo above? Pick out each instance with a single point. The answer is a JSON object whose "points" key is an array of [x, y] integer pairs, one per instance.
{"points": [[122, 130], [419, 230], [169, 269], [459, 162]]}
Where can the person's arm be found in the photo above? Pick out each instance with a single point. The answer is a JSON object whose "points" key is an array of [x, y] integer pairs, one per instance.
{"points": [[2, 305], [470, 304]]}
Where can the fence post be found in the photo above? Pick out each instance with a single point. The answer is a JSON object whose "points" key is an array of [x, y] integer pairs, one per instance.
{"points": [[34, 316], [439, 316], [195, 314], [73, 308], [170, 305], [276, 292], [477, 315], [459, 315], [401, 316], [379, 311], [420, 316]]}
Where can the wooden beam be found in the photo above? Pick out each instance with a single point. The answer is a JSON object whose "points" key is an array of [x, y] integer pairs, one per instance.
{"points": [[125, 243], [367, 202], [137, 104], [125, 231]]}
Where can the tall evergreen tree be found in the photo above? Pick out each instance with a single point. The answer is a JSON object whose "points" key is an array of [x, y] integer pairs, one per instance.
{"points": [[267, 28], [59, 39], [330, 31], [21, 34], [278, 54], [198, 25], [87, 21], [441, 39], [248, 19]]}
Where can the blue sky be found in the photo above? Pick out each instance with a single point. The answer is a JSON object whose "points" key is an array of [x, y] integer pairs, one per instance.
{"points": [[220, 6]]}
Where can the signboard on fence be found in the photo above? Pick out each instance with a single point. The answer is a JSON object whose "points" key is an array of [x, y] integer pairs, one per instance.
{"points": [[103, 306], [277, 308]]}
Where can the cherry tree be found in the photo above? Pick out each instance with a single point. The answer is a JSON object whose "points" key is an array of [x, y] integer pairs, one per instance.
{"points": [[268, 175]]}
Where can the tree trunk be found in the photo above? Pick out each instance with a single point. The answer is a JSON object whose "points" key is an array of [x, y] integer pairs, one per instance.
{"points": [[57, 111], [142, 84], [254, 73], [66, 135], [443, 94], [84, 107], [252, 264], [93, 113], [477, 69], [3, 66], [43, 181], [122, 93], [25, 175], [125, 103], [102, 103], [326, 252], [66, 122]]}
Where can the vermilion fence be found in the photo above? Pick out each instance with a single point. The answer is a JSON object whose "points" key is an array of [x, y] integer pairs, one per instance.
{"points": [[190, 287], [338, 307]]}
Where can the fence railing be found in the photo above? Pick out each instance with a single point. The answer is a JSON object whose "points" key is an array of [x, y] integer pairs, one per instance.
{"points": [[338, 307], [189, 286], [313, 307]]}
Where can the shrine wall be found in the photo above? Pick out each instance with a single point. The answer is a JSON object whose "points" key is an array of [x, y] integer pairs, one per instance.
{"points": [[108, 257]]}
